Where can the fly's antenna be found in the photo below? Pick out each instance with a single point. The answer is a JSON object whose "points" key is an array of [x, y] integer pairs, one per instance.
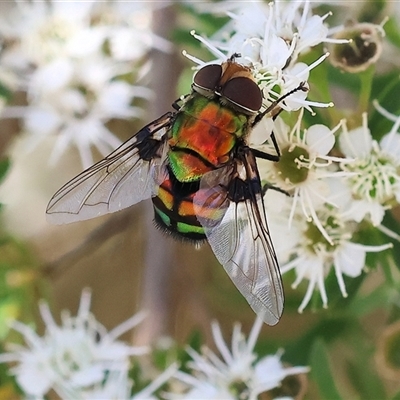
{"points": [[303, 87], [233, 56]]}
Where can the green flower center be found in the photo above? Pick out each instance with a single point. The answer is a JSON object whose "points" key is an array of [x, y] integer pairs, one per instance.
{"points": [[290, 166], [316, 240], [376, 178], [239, 389]]}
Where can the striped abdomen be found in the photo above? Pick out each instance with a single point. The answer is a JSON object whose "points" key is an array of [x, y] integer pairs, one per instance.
{"points": [[173, 208]]}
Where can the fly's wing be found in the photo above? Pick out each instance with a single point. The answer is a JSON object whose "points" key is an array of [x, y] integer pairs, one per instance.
{"points": [[229, 205], [123, 178]]}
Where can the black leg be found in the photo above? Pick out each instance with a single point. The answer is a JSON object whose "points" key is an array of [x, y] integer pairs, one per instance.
{"points": [[265, 156], [272, 187], [260, 116], [275, 143]]}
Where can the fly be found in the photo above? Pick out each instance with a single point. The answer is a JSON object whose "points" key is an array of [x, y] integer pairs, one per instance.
{"points": [[195, 165]]}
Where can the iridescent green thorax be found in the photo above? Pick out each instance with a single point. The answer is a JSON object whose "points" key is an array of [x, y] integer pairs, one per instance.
{"points": [[203, 136]]}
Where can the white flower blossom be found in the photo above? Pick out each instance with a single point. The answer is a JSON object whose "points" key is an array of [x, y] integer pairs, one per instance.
{"points": [[239, 372], [118, 386], [375, 183], [67, 57], [73, 100], [305, 249], [75, 357], [303, 167], [269, 38]]}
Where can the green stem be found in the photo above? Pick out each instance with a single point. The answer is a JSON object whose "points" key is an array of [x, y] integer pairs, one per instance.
{"points": [[366, 79]]}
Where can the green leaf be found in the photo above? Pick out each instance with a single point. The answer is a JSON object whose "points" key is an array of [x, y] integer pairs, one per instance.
{"points": [[362, 305], [321, 371], [4, 91], [396, 396], [4, 166], [392, 31], [361, 369], [298, 351]]}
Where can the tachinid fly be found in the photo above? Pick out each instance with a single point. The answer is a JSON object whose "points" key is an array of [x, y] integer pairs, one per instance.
{"points": [[202, 177]]}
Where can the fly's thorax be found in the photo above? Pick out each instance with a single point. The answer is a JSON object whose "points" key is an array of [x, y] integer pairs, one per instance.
{"points": [[203, 136]]}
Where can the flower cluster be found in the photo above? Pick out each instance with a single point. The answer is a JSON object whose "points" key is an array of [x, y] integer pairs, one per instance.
{"points": [[334, 178], [79, 359], [76, 63], [270, 38], [238, 374]]}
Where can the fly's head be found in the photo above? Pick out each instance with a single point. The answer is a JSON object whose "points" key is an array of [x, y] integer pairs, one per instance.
{"points": [[233, 83]]}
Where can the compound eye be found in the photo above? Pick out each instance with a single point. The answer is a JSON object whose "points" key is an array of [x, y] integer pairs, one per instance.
{"points": [[244, 92], [208, 77]]}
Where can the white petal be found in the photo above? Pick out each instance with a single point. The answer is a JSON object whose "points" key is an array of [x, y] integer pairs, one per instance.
{"points": [[320, 139], [114, 100], [88, 376], [390, 144], [51, 77], [206, 390], [340, 193], [33, 380], [41, 121], [74, 11], [350, 259], [277, 53], [314, 32], [356, 143], [86, 42], [360, 208], [269, 372], [125, 45], [261, 132], [396, 189]]}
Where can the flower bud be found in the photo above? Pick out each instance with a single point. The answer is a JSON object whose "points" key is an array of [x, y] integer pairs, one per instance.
{"points": [[362, 50]]}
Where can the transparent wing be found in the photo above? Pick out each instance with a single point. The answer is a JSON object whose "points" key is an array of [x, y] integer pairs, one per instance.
{"points": [[230, 207], [123, 178]]}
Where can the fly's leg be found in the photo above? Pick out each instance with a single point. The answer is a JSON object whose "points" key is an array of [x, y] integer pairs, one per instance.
{"points": [[272, 187], [267, 156], [177, 104], [270, 157], [261, 115]]}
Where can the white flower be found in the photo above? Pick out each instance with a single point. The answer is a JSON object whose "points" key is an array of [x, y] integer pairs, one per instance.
{"points": [[309, 252], [67, 57], [118, 386], [269, 38], [74, 99], [73, 357], [147, 392], [375, 183], [303, 167], [40, 30], [237, 373]]}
